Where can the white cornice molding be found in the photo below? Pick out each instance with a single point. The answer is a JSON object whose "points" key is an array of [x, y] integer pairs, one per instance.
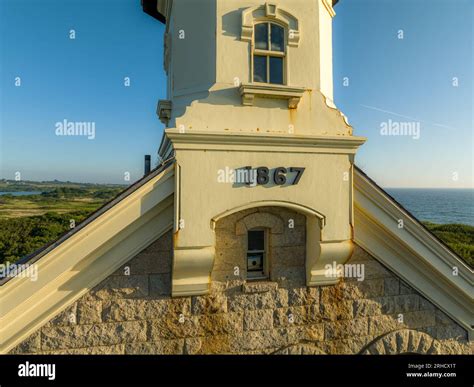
{"points": [[412, 252], [213, 140]]}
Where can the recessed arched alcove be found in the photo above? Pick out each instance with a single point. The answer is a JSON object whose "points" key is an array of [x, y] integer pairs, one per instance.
{"points": [[282, 253], [318, 252]]}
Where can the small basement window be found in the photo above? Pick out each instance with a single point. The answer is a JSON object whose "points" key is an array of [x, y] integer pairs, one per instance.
{"points": [[256, 255]]}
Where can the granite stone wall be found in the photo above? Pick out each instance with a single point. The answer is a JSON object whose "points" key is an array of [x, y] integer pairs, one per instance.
{"points": [[131, 311]]}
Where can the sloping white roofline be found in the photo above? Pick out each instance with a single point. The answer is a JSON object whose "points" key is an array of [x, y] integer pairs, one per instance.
{"points": [[77, 263], [412, 252]]}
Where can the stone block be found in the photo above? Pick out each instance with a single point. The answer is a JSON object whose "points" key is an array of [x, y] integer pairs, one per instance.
{"points": [[419, 319], [332, 293], [281, 298], [67, 317], [159, 347], [230, 221], [165, 243], [351, 346], [291, 237], [225, 276], [364, 308], [220, 344], [442, 318], [160, 285], [379, 325], [89, 312], [301, 349], [192, 345], [310, 332], [297, 315], [283, 257], [123, 310], [346, 329], [216, 303], [250, 287], [81, 336], [229, 259], [341, 310], [132, 286], [118, 349], [260, 340], [424, 344], [303, 296], [354, 290], [255, 320], [391, 286], [252, 302], [289, 277], [447, 332], [261, 219], [397, 304], [228, 239], [173, 327], [217, 324], [286, 215], [149, 263]]}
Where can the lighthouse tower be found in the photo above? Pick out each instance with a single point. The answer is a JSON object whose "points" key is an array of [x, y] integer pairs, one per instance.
{"points": [[251, 122]]}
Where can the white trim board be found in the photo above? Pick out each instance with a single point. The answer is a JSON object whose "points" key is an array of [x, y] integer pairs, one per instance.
{"points": [[412, 252]]}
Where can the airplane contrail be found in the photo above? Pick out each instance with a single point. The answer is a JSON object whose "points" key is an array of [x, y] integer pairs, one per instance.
{"points": [[407, 117]]}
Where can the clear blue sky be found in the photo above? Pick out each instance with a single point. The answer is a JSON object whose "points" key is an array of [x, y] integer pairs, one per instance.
{"points": [[403, 80]]}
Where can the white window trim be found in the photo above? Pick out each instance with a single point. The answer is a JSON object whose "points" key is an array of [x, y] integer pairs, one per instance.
{"points": [[249, 91], [270, 13]]}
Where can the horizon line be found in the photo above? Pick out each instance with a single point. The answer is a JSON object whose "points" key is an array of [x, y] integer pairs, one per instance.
{"points": [[132, 182]]}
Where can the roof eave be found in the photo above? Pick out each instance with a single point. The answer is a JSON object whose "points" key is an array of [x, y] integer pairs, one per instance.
{"points": [[151, 8]]}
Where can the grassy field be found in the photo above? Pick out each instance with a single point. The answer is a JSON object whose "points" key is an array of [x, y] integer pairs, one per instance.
{"points": [[57, 197], [459, 237], [28, 223]]}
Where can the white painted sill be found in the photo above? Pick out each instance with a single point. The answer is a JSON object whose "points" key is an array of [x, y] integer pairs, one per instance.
{"points": [[249, 91]]}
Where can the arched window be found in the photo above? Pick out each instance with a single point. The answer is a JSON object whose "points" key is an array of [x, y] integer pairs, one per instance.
{"points": [[269, 53]]}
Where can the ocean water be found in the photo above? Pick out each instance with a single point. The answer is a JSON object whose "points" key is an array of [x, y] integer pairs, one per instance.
{"points": [[437, 205]]}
